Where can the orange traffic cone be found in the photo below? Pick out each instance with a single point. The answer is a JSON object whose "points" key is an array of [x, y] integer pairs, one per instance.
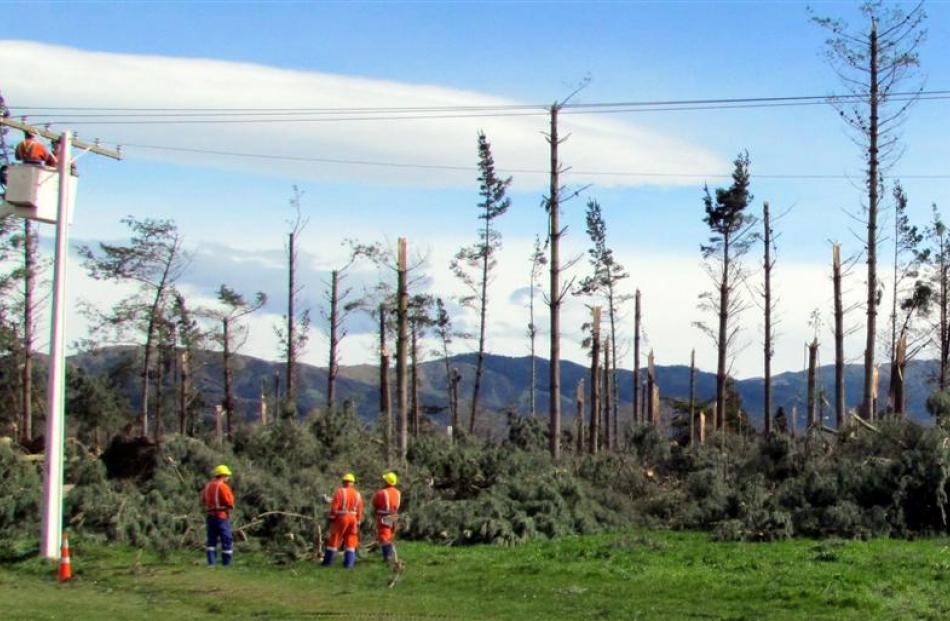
{"points": [[65, 568]]}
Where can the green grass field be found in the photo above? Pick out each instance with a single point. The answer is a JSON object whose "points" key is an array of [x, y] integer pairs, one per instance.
{"points": [[635, 575]]}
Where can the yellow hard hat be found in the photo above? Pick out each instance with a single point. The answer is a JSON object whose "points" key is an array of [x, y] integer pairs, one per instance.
{"points": [[221, 470], [390, 478], [349, 478]]}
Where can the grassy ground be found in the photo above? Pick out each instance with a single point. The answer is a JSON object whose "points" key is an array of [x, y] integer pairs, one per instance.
{"points": [[638, 575]]}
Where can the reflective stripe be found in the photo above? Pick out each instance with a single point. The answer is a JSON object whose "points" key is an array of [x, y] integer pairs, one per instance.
{"points": [[350, 550], [227, 551], [329, 549], [211, 548]]}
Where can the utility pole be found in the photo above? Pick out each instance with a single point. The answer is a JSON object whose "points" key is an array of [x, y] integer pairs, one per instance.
{"points": [[52, 529]]}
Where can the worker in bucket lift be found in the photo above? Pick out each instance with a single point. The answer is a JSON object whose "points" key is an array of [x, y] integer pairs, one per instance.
{"points": [[218, 502], [346, 513], [32, 151], [386, 504]]}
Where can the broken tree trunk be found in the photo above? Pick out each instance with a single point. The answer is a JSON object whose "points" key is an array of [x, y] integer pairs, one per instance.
{"points": [[402, 347], [385, 403], [651, 384], [812, 384], [637, 416], [579, 419], [608, 435], [692, 395], [840, 404]]}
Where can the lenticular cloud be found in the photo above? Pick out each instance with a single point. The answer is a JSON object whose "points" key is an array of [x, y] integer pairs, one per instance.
{"points": [[362, 151]]}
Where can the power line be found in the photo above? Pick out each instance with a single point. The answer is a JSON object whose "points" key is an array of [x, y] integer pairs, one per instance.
{"points": [[387, 164], [191, 116], [456, 108]]}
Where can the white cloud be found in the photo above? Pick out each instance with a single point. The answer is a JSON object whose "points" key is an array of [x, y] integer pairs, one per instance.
{"points": [[38, 74]]}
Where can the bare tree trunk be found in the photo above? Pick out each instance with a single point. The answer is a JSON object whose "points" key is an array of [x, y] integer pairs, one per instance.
{"points": [[228, 376], [868, 405], [611, 371], [608, 414], [812, 392], [897, 375], [291, 321], [554, 303], [385, 408], [636, 358], [159, 426], [723, 338], [262, 405], [579, 419], [218, 430], [944, 295], [29, 271], [184, 389], [414, 353], [692, 396], [482, 312], [767, 242], [839, 338], [332, 366], [454, 399], [276, 393], [402, 379], [593, 442], [651, 383]]}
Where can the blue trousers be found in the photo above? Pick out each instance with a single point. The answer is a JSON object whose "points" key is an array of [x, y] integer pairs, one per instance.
{"points": [[219, 529]]}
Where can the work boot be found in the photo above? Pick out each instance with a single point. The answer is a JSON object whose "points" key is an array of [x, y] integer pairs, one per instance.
{"points": [[212, 555], [387, 551], [349, 559], [328, 557]]}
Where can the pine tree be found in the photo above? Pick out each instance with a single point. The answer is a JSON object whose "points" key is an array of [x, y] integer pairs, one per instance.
{"points": [[474, 264], [732, 236]]}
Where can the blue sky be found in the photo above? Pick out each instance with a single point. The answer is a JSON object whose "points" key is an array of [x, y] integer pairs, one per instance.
{"points": [[515, 52]]}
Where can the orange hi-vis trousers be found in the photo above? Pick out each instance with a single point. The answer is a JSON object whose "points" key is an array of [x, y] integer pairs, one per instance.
{"points": [[344, 530]]}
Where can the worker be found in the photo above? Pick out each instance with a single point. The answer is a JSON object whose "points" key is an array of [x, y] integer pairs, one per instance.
{"points": [[218, 502], [32, 151], [386, 504], [346, 513]]}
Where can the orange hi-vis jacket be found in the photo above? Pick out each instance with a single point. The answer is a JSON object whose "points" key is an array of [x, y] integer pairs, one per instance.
{"points": [[217, 498], [346, 513], [32, 151], [347, 501], [386, 503]]}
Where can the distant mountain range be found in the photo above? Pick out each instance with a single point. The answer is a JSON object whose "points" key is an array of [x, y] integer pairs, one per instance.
{"points": [[505, 385]]}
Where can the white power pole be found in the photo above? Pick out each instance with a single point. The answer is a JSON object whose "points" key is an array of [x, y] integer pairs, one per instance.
{"points": [[52, 533]]}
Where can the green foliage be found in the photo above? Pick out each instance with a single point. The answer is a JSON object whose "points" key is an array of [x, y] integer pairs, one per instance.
{"points": [[859, 483], [938, 405], [20, 487]]}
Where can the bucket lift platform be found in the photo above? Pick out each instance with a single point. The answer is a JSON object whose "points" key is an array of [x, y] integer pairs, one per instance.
{"points": [[33, 192]]}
